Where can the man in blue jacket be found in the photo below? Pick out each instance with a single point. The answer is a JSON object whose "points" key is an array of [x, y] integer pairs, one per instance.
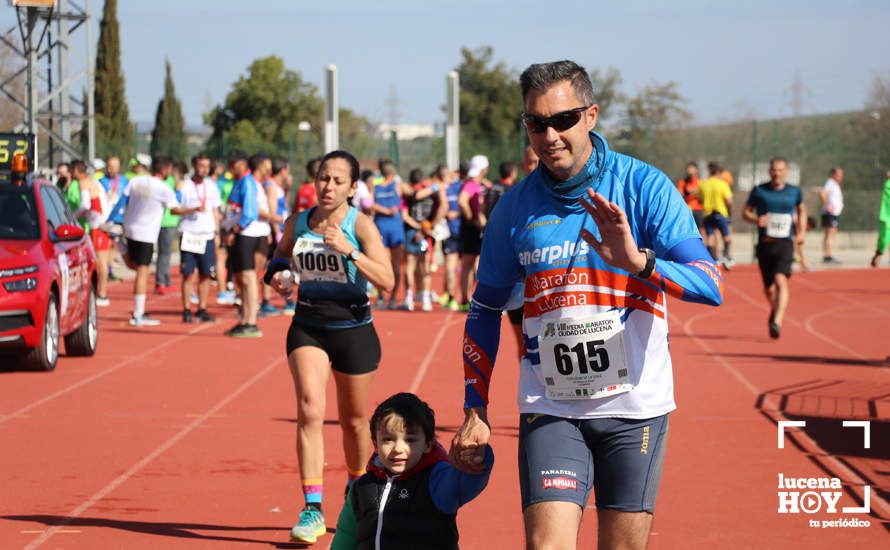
{"points": [[599, 239]]}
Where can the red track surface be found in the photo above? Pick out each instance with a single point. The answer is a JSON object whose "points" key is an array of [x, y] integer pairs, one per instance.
{"points": [[178, 436]]}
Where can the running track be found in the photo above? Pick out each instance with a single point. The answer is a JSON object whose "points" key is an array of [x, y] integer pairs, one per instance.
{"points": [[176, 436]]}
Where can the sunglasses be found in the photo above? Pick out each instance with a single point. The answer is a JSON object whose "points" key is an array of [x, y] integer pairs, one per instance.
{"points": [[560, 121]]}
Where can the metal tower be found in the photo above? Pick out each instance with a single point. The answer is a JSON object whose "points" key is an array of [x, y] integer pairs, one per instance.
{"points": [[41, 44]]}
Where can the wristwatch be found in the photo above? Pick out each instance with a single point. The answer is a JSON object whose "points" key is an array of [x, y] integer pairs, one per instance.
{"points": [[650, 263], [355, 254]]}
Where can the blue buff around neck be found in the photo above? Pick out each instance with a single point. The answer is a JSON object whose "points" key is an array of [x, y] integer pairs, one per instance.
{"points": [[573, 188]]}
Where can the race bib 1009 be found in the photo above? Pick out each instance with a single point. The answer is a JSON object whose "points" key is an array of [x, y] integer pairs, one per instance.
{"points": [[584, 358], [316, 262]]}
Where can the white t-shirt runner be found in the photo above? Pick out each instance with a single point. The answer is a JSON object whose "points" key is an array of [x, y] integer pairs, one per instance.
{"points": [[834, 198], [258, 227], [206, 196], [147, 198]]}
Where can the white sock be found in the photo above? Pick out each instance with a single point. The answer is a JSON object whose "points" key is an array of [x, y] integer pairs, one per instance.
{"points": [[138, 305]]}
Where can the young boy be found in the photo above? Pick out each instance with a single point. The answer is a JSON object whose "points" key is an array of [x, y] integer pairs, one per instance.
{"points": [[410, 485]]}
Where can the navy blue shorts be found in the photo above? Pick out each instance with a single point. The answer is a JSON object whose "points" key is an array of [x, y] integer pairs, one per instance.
{"points": [[205, 263], [393, 234], [451, 245], [620, 459], [418, 248], [716, 221]]}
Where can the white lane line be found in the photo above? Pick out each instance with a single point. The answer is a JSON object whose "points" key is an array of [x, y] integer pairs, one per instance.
{"points": [[99, 375], [421, 372], [121, 479]]}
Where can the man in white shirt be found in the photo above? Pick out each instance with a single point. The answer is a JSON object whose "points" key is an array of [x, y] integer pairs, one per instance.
{"points": [[832, 205], [198, 233], [146, 198]]}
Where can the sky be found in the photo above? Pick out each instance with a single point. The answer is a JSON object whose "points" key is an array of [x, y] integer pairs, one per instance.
{"points": [[731, 60]]}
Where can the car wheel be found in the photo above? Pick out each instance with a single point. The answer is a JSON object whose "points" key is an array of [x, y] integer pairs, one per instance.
{"points": [[83, 340], [46, 354]]}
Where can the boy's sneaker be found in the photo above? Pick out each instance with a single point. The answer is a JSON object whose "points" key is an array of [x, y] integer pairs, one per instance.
{"points": [[245, 331], [186, 316], [268, 310], [102, 301], [143, 321], [309, 527], [204, 317]]}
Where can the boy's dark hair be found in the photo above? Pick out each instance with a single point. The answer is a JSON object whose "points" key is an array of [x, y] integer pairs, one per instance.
{"points": [[506, 169], [542, 76], [415, 413], [343, 155], [415, 176]]}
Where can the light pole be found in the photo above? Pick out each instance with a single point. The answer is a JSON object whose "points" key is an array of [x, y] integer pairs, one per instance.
{"points": [[304, 126]]}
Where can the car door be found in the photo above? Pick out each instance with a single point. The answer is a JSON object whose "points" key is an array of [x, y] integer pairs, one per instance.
{"points": [[71, 259]]}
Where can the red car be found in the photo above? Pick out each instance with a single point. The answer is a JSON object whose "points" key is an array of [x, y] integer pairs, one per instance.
{"points": [[47, 278]]}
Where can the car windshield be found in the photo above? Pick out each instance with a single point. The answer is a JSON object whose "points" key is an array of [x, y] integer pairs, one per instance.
{"points": [[18, 214]]}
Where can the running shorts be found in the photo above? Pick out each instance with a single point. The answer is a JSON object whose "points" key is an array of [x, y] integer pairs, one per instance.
{"points": [[620, 459], [451, 245], [205, 263], [351, 351], [101, 240], [716, 222], [470, 240], [140, 252], [774, 257], [242, 252], [393, 234], [830, 220], [413, 246]]}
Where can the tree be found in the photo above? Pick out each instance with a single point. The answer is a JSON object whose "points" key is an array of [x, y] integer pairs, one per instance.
{"points": [[656, 108], [114, 132], [263, 108], [490, 105], [606, 92], [168, 137]]}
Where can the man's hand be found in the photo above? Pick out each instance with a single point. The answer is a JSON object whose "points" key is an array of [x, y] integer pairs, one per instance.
{"points": [[468, 446], [617, 247]]}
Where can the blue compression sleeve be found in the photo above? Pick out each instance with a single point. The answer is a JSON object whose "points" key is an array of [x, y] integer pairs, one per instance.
{"points": [[482, 334], [451, 488], [688, 272]]}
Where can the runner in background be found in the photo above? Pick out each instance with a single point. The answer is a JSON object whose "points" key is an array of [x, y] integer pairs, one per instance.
{"points": [[529, 161], [244, 235], [261, 166], [778, 211], [832, 206], [689, 188], [94, 209], [471, 202], [63, 175], [114, 183], [425, 205], [363, 199], [335, 251], [388, 218], [225, 293], [440, 177], [146, 198], [716, 197], [169, 233], [883, 224], [451, 245], [306, 193], [199, 232], [277, 187]]}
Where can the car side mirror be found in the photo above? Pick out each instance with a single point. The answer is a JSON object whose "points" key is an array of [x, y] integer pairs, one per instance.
{"points": [[69, 232]]}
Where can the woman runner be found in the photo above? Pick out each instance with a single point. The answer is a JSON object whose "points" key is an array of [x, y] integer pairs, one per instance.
{"points": [[334, 251]]}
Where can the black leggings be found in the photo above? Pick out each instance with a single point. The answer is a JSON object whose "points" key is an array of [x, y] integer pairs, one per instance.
{"points": [[351, 350]]}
